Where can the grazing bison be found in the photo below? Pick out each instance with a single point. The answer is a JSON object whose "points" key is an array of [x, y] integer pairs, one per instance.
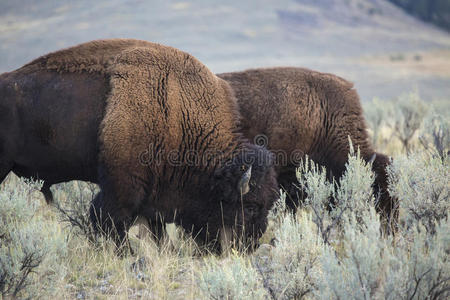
{"points": [[301, 112], [152, 125]]}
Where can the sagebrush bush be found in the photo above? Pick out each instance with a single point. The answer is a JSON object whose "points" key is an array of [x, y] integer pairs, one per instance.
{"points": [[421, 182], [349, 227], [331, 201], [378, 114], [370, 266], [410, 112], [359, 262], [354, 192], [73, 200], [313, 181], [418, 264], [355, 271], [17, 205], [435, 135], [233, 278], [401, 125], [292, 268], [31, 249], [278, 211]]}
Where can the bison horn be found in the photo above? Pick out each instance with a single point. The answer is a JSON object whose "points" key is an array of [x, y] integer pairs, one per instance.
{"points": [[244, 186], [372, 159]]}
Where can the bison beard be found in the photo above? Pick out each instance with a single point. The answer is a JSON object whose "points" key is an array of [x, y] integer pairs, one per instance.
{"points": [[301, 112], [89, 113]]}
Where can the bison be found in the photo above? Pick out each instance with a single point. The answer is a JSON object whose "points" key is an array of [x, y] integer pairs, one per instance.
{"points": [[300, 112], [151, 125]]}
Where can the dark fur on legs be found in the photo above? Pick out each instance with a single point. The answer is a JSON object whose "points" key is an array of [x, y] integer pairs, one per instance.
{"points": [[105, 223], [47, 193]]}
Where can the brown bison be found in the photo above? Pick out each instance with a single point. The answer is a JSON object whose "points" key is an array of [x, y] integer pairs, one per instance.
{"points": [[152, 125], [299, 112]]}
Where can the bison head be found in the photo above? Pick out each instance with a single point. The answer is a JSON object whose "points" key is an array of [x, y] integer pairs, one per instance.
{"points": [[236, 200]]}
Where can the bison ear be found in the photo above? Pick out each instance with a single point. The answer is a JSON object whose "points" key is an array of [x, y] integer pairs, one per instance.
{"points": [[243, 185]]}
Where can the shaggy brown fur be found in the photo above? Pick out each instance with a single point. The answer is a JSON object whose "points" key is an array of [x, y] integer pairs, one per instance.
{"points": [[152, 125], [298, 112]]}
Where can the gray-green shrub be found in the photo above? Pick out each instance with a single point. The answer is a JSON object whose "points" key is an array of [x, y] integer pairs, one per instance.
{"points": [[233, 278], [378, 113], [31, 249], [418, 264], [358, 261], [410, 112], [421, 182], [356, 270], [435, 135], [330, 202], [73, 202], [292, 268]]}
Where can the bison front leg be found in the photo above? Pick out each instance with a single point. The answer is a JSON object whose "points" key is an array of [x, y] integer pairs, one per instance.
{"points": [[115, 208], [106, 220], [112, 215]]}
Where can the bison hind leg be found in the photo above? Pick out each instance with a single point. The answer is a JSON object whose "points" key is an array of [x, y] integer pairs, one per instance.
{"points": [[48, 195]]}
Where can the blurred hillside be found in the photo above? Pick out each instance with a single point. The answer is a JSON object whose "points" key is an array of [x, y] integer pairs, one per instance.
{"points": [[373, 43], [434, 11]]}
